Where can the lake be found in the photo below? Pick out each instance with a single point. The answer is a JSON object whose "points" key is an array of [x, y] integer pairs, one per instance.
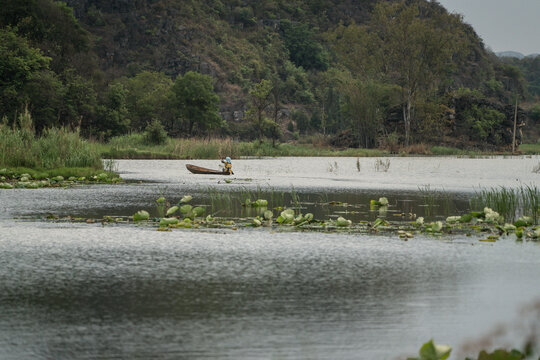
{"points": [[76, 290]]}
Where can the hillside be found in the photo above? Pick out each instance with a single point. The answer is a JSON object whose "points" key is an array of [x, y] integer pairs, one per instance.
{"points": [[321, 59]]}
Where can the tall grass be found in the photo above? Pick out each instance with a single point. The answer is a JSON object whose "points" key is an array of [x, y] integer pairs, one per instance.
{"points": [[134, 146], [510, 202], [55, 148]]}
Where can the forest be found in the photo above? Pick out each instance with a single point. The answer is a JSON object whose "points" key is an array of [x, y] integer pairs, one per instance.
{"points": [[361, 74]]}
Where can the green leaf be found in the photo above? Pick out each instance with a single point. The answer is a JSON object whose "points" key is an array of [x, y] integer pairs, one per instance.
{"points": [[172, 210], [430, 351], [141, 215], [186, 199], [198, 211], [185, 209]]}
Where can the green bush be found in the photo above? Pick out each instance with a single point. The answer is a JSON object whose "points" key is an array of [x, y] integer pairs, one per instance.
{"points": [[155, 134]]}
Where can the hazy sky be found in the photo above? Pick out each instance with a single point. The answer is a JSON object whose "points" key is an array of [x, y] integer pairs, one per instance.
{"points": [[503, 24]]}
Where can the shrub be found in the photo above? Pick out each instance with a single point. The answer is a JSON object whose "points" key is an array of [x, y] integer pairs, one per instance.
{"points": [[155, 133]]}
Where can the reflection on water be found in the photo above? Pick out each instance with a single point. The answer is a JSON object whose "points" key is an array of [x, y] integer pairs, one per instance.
{"points": [[95, 292], [86, 291]]}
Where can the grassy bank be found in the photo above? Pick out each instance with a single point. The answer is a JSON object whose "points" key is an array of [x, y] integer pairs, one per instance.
{"points": [[58, 157], [134, 146], [56, 148], [530, 149]]}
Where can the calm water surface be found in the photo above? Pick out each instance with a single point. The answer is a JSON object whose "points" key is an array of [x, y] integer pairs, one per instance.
{"points": [[71, 291]]}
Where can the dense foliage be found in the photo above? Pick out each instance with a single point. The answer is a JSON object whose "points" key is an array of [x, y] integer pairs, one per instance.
{"points": [[373, 73]]}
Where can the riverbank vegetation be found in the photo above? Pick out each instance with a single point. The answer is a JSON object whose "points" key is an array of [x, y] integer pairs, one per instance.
{"points": [[514, 215], [285, 72], [53, 158], [136, 146]]}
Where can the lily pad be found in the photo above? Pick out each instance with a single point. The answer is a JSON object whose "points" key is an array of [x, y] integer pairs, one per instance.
{"points": [[172, 210], [168, 221], [186, 198], [141, 215]]}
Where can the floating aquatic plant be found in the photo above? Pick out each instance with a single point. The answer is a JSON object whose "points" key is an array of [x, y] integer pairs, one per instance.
{"points": [[341, 221], [430, 351], [172, 210], [141, 215], [186, 198]]}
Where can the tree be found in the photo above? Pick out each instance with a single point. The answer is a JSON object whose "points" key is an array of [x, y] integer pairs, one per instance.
{"points": [[148, 97], [259, 97], [196, 102], [304, 50], [19, 64], [365, 105], [49, 25], [112, 113], [416, 45]]}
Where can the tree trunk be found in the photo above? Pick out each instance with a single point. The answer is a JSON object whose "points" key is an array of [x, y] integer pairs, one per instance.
{"points": [[407, 118], [260, 126]]}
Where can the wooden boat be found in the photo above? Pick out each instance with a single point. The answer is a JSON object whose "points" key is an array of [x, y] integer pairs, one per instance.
{"points": [[200, 170]]}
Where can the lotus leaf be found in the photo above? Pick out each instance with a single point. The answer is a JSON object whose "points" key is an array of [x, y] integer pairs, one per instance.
{"points": [[6, 186], [209, 218], [197, 211], [341, 221], [26, 176], [430, 351], [524, 221], [383, 201], [268, 214], [298, 219], [186, 198], [72, 178], [453, 219], [437, 226], [24, 179], [31, 185], [161, 200], [102, 176], [519, 232], [287, 216], [261, 203], [58, 178], [185, 209], [256, 222], [466, 218], [141, 215], [508, 227], [380, 222], [420, 221], [172, 210], [308, 217], [168, 221]]}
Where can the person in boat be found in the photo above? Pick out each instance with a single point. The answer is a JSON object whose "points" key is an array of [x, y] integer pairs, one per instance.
{"points": [[227, 165]]}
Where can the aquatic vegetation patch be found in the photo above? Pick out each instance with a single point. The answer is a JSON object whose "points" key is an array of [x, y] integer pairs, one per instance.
{"points": [[510, 202], [24, 178], [487, 224]]}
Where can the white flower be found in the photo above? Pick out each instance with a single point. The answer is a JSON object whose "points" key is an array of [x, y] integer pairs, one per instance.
{"points": [[420, 221]]}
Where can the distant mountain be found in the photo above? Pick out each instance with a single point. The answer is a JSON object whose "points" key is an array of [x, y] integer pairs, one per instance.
{"points": [[512, 54]]}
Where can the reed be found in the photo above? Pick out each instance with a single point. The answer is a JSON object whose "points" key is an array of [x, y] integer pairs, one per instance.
{"points": [[55, 148], [509, 202]]}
